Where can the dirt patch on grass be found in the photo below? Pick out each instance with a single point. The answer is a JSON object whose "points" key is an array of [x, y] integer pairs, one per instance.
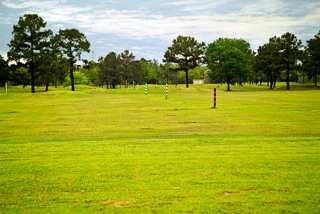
{"points": [[122, 204], [118, 204]]}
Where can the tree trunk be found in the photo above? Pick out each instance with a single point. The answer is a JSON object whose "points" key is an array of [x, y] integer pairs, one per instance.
{"points": [[315, 80], [228, 82], [271, 81], [47, 87], [187, 78], [288, 76], [32, 77], [113, 84], [71, 76]]}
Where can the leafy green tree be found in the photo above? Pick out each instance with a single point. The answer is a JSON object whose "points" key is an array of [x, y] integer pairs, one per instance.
{"points": [[51, 62], [135, 71], [109, 69], [153, 72], [73, 43], [290, 53], [90, 70], [187, 53], [149, 70], [229, 60], [157, 68], [198, 72], [126, 57], [268, 60], [29, 39], [4, 71], [170, 74], [313, 57], [61, 70], [79, 79], [19, 75]]}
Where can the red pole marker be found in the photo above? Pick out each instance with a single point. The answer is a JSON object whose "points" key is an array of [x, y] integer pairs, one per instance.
{"points": [[215, 97]]}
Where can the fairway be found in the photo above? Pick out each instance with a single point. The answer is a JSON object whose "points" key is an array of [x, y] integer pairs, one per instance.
{"points": [[121, 151]]}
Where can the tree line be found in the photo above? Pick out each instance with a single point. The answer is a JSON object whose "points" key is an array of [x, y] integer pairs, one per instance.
{"points": [[38, 57]]}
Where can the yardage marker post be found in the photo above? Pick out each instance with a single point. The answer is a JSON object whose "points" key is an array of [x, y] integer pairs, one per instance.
{"points": [[214, 97], [146, 89], [167, 91]]}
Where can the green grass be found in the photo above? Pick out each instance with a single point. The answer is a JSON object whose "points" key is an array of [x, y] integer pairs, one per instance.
{"points": [[119, 151]]}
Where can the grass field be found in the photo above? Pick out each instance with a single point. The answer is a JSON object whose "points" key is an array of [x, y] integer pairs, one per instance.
{"points": [[120, 151]]}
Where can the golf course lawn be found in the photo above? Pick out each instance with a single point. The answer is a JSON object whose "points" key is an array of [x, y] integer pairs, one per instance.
{"points": [[121, 151]]}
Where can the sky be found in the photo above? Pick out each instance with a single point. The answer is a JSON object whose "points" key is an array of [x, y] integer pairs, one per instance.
{"points": [[147, 28]]}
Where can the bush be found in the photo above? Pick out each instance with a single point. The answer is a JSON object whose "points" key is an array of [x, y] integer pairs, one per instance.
{"points": [[79, 79]]}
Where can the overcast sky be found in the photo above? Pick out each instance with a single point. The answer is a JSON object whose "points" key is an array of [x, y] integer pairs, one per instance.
{"points": [[147, 28]]}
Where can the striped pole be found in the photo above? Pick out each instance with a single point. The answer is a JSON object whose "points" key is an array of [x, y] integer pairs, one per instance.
{"points": [[146, 89], [167, 91], [215, 97]]}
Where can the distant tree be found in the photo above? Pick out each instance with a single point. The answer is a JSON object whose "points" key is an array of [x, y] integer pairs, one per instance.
{"points": [[229, 60], [290, 53], [109, 69], [19, 75], [29, 39], [73, 43], [101, 75], [4, 71], [149, 70], [170, 74], [157, 69], [80, 78], [268, 60], [197, 73], [51, 62], [313, 57], [126, 57], [61, 71], [90, 70], [154, 71], [185, 52], [136, 71]]}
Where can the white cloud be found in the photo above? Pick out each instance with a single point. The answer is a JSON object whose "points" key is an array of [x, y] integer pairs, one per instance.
{"points": [[5, 19], [31, 4], [58, 25]]}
